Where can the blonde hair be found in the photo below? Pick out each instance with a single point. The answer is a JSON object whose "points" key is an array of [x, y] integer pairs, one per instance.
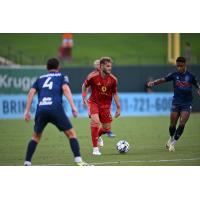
{"points": [[96, 63], [103, 60]]}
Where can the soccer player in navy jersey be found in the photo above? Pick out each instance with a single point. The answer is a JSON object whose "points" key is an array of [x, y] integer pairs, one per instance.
{"points": [[50, 89], [182, 99]]}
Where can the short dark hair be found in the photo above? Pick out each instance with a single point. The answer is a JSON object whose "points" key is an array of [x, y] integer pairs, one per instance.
{"points": [[52, 63], [103, 60], [181, 59]]}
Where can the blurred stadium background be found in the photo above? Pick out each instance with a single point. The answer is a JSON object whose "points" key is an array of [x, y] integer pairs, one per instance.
{"points": [[137, 58], [125, 49]]}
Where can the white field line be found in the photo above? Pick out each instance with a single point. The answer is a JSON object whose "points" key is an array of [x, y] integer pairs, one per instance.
{"points": [[132, 161], [143, 161]]}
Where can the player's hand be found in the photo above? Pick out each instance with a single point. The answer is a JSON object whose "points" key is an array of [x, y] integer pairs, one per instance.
{"points": [[198, 92], [150, 84], [27, 116], [117, 114], [74, 112]]}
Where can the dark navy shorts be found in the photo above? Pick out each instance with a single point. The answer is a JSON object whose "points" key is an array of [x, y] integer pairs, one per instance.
{"points": [[181, 107], [56, 117]]}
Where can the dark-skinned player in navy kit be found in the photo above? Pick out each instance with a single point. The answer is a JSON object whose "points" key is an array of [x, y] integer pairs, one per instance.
{"points": [[182, 99], [50, 89]]}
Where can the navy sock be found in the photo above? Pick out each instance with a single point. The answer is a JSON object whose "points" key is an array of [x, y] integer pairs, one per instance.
{"points": [[75, 147], [172, 130], [30, 150], [179, 132]]}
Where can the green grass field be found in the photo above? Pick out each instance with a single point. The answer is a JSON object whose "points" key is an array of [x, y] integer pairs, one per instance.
{"points": [[146, 135], [125, 49]]}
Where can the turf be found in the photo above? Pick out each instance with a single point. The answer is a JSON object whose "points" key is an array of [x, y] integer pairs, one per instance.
{"points": [[124, 48], [146, 135]]}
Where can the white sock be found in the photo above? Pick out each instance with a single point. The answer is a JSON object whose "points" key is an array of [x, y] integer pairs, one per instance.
{"points": [[77, 159], [95, 149], [174, 142]]}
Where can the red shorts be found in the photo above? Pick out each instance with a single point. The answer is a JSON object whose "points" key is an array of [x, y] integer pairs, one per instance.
{"points": [[102, 111]]}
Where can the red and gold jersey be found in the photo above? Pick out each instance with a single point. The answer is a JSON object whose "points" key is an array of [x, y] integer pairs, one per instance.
{"points": [[102, 89]]}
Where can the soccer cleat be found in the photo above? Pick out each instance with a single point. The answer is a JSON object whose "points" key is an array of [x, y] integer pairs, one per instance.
{"points": [[168, 143], [27, 163], [171, 147], [96, 151], [100, 142], [110, 134], [82, 163]]}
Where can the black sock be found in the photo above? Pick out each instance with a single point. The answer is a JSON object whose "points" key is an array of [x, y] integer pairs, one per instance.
{"points": [[30, 150], [179, 132], [172, 130], [75, 147]]}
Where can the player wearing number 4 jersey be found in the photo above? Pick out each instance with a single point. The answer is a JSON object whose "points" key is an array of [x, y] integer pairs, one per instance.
{"points": [[182, 99], [50, 88]]}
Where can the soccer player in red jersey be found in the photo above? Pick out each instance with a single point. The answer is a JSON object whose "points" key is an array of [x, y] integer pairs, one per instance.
{"points": [[103, 87], [96, 65]]}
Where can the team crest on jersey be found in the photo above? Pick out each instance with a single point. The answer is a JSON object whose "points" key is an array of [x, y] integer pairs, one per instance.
{"points": [[103, 89], [177, 78], [187, 78]]}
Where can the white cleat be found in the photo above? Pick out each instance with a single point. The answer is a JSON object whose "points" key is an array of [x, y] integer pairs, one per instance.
{"points": [[82, 163], [96, 151], [27, 163], [100, 142], [171, 147], [168, 143]]}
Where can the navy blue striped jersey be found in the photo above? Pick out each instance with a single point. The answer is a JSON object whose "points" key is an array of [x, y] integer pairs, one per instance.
{"points": [[49, 89], [182, 84]]}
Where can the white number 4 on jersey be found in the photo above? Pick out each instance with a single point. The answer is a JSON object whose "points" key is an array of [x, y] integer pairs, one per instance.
{"points": [[48, 84]]}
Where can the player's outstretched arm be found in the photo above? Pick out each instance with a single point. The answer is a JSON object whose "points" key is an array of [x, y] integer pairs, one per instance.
{"points": [[198, 91], [30, 97], [67, 92], [156, 82], [117, 102], [84, 94]]}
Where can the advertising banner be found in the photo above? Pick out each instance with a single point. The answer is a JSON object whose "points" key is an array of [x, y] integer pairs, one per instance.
{"points": [[132, 104]]}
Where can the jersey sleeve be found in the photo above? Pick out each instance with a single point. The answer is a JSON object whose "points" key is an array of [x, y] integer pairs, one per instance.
{"points": [[88, 81], [195, 82], [169, 77], [65, 79], [35, 85]]}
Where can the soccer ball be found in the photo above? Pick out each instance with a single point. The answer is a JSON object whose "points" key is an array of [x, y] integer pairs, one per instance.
{"points": [[122, 146]]}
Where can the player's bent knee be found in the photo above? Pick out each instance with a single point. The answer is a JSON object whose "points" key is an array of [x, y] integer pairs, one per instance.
{"points": [[70, 133], [182, 122], [106, 127], [36, 137], [94, 123]]}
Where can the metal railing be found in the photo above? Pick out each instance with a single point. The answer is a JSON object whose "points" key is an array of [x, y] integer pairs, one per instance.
{"points": [[16, 56]]}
